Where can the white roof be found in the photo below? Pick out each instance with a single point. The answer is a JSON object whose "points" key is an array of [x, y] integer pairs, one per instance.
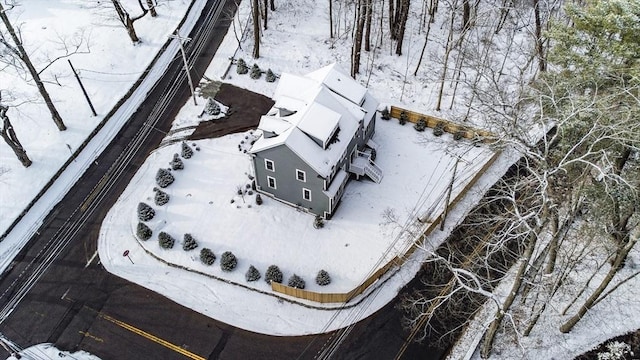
{"points": [[333, 78], [320, 122], [315, 110]]}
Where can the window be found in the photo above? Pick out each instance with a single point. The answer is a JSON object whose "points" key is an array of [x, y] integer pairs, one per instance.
{"points": [[301, 175], [269, 165], [271, 182], [306, 194]]}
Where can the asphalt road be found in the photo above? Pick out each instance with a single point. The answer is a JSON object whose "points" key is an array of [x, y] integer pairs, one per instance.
{"points": [[67, 298]]}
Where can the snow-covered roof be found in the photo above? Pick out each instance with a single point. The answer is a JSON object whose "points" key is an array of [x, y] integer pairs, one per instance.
{"points": [[336, 80], [306, 115], [319, 122]]}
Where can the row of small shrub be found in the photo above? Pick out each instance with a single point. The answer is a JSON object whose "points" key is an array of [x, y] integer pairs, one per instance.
{"points": [[242, 68], [163, 179], [421, 124]]}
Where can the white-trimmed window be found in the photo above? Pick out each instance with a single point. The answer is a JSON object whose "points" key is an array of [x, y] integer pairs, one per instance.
{"points": [[271, 182], [269, 165], [306, 194], [301, 175]]}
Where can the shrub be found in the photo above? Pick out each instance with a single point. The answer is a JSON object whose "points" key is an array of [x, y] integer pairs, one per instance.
{"points": [[273, 274], [186, 151], [438, 130], [384, 114], [252, 274], [271, 77], [420, 125], [296, 281], [207, 256], [166, 241], [164, 178], [242, 67], [255, 72], [403, 118], [458, 135], [228, 261], [258, 199], [176, 163], [145, 212], [318, 222], [211, 107], [615, 350], [161, 197], [323, 278], [143, 231], [189, 243]]}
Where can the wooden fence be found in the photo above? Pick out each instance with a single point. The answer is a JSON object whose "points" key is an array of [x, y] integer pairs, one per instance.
{"points": [[466, 131], [396, 261]]}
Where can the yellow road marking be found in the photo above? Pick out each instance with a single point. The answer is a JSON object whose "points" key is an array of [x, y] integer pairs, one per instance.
{"points": [[93, 194], [86, 334], [153, 338]]}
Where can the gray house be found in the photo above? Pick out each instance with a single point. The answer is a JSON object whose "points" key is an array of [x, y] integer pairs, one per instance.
{"points": [[315, 137]]}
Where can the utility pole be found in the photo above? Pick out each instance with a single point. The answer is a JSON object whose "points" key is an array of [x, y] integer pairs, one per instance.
{"points": [[186, 65], [84, 91]]}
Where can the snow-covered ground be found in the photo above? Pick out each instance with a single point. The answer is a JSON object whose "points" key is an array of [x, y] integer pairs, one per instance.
{"points": [[297, 42]]}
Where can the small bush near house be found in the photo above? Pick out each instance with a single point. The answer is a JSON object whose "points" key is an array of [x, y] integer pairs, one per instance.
{"points": [[273, 274], [161, 197], [164, 178], [165, 240], [296, 281], [176, 163], [145, 212], [252, 274], [323, 278], [403, 118], [143, 231], [616, 350], [189, 243], [258, 199], [207, 256], [211, 107], [186, 151], [255, 72], [271, 77], [420, 125], [318, 222], [458, 135], [438, 130], [242, 67], [228, 261], [384, 114]]}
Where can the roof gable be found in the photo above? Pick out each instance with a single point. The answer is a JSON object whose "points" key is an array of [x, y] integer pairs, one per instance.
{"points": [[342, 84]]}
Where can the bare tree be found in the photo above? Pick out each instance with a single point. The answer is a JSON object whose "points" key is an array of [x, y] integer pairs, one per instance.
{"points": [[255, 11], [19, 51], [357, 37], [127, 20], [9, 136]]}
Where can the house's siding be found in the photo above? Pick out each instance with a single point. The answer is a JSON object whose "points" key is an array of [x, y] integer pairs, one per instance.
{"points": [[289, 188]]}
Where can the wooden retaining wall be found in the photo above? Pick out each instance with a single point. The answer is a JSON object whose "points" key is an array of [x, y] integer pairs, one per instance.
{"points": [[451, 127]]}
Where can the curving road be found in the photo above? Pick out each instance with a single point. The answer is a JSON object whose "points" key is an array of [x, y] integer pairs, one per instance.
{"points": [[56, 290]]}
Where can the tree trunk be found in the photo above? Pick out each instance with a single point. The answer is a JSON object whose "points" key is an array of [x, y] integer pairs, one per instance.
{"points": [[266, 8], [446, 61], [369, 16], [542, 63], [256, 29], [331, 19], [466, 15], [487, 344], [22, 54], [126, 20], [402, 24], [392, 21], [152, 8], [357, 38], [620, 258], [9, 136], [424, 46], [273, 5]]}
